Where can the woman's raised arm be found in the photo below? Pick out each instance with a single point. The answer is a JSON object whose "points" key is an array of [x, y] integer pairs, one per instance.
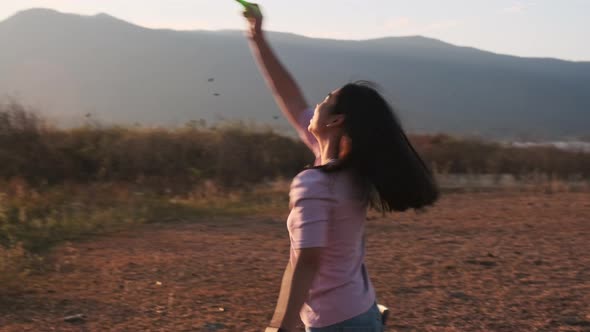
{"points": [[287, 93]]}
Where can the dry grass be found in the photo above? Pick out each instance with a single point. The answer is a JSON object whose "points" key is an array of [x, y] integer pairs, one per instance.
{"points": [[32, 221], [231, 155]]}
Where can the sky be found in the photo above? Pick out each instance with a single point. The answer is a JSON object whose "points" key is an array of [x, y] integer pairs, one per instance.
{"points": [[540, 28]]}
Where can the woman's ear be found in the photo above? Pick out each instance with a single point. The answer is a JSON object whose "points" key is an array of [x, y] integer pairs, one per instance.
{"points": [[336, 121]]}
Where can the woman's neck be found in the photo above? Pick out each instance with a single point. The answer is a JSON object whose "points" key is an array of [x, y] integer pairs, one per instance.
{"points": [[329, 149]]}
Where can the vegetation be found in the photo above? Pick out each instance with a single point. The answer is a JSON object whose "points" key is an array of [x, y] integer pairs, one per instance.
{"points": [[231, 155]]}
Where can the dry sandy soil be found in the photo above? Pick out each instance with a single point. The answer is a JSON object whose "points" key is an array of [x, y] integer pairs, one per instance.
{"points": [[475, 262]]}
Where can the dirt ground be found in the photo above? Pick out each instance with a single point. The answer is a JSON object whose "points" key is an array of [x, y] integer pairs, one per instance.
{"points": [[475, 262]]}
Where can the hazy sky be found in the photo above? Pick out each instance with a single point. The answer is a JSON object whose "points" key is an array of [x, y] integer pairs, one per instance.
{"points": [[540, 28]]}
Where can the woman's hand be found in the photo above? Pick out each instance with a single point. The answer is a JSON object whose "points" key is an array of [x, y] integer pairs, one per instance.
{"points": [[254, 17]]}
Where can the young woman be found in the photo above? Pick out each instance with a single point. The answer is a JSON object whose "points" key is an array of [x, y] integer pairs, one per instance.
{"points": [[362, 157]]}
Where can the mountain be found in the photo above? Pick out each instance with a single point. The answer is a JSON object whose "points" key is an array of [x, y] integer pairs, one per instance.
{"points": [[69, 65]]}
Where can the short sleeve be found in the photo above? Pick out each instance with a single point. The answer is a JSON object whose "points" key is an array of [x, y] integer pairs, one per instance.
{"points": [[311, 202], [305, 135]]}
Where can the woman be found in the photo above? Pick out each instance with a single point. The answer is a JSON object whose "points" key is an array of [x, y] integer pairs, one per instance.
{"points": [[362, 157]]}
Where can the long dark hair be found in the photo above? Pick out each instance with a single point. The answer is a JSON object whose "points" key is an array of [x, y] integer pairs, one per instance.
{"points": [[381, 153]]}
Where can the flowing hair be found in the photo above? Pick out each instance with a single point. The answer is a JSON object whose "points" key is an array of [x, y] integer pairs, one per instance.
{"points": [[381, 153]]}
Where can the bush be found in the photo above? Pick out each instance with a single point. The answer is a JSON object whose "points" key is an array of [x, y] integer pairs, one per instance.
{"points": [[232, 155]]}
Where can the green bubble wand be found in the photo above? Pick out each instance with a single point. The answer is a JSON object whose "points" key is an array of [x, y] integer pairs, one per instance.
{"points": [[250, 6]]}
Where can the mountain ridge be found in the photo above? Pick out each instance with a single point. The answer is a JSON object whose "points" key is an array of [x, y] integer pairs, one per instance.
{"points": [[101, 15], [123, 72]]}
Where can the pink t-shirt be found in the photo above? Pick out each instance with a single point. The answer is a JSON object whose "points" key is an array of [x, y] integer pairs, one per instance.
{"points": [[329, 210]]}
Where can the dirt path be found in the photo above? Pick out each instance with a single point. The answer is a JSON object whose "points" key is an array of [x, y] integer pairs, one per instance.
{"points": [[476, 262]]}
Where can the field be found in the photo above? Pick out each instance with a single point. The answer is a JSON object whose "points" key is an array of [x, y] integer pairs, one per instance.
{"points": [[478, 261]]}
